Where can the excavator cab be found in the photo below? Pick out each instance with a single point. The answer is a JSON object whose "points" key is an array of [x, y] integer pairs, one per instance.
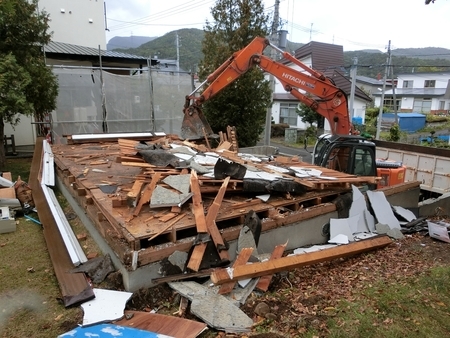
{"points": [[350, 154]]}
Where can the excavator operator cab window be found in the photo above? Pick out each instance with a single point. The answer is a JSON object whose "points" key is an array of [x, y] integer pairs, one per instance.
{"points": [[363, 162], [352, 159], [320, 148], [339, 159]]}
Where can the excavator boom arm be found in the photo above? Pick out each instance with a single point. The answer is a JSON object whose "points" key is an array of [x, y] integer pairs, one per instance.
{"points": [[327, 99]]}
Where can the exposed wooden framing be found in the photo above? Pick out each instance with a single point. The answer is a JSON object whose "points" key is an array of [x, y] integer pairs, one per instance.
{"points": [[241, 259], [167, 227], [220, 276]]}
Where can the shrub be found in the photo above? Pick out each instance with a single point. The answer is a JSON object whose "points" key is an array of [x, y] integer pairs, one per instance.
{"points": [[277, 129]]}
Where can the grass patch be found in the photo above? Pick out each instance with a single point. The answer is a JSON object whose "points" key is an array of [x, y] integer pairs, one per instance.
{"points": [[19, 167], [411, 308]]}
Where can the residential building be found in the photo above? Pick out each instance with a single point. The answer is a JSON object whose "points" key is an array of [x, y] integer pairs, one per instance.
{"points": [[80, 22], [427, 92], [371, 86], [325, 58]]}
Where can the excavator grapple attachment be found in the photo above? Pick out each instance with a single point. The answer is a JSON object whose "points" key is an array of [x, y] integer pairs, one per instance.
{"points": [[194, 126]]}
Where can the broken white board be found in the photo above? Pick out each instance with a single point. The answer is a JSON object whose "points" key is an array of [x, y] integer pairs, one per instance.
{"points": [[264, 197], [341, 226], [246, 239], [358, 208], [408, 215], [163, 197], [214, 309], [179, 182], [339, 239], [108, 305], [370, 220], [438, 231], [382, 209]]}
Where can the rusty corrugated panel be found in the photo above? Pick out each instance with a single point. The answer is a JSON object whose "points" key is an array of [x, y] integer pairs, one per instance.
{"points": [[74, 287]]}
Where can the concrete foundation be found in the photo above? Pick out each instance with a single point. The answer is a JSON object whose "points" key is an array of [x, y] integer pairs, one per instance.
{"points": [[311, 229]]}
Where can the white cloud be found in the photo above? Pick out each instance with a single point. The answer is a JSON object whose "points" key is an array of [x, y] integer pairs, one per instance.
{"points": [[355, 24]]}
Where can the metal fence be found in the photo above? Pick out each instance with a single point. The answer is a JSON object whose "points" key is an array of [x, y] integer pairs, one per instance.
{"points": [[92, 101]]}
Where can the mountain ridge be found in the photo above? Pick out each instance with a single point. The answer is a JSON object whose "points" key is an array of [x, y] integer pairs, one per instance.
{"points": [[371, 62]]}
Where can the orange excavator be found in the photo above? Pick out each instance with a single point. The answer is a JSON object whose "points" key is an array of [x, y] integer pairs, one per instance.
{"points": [[341, 150]]}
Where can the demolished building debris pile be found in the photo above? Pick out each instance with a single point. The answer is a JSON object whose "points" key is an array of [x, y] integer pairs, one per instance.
{"points": [[174, 201], [158, 190]]}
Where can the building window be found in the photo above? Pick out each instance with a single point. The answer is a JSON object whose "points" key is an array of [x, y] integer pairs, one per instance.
{"points": [[441, 105], [408, 84], [389, 103], [288, 113], [430, 83], [422, 105]]}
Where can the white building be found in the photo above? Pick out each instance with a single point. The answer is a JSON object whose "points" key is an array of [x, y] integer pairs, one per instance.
{"points": [[77, 22], [325, 58], [420, 93]]}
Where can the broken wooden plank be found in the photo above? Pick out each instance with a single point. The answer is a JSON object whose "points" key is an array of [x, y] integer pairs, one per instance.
{"points": [[197, 204], [196, 257], [163, 324], [221, 276], [211, 224], [147, 194], [241, 259], [200, 222], [134, 193], [138, 164], [264, 281]]}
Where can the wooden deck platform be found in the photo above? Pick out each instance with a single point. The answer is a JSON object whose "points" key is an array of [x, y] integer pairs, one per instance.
{"points": [[114, 185]]}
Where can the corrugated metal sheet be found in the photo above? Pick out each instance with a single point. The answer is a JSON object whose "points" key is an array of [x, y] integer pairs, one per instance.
{"points": [[66, 48]]}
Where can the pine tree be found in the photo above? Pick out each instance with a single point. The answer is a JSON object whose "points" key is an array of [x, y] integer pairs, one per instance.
{"points": [[27, 85], [243, 103]]}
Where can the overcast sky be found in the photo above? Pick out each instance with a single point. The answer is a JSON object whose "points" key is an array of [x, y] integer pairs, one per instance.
{"points": [[355, 24]]}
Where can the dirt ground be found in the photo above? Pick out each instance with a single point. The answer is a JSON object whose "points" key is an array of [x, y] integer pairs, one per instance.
{"points": [[306, 298]]}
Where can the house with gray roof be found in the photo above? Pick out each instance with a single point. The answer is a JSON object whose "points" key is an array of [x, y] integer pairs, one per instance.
{"points": [[325, 58], [427, 92]]}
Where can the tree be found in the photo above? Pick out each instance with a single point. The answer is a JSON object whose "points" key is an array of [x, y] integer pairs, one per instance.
{"points": [[307, 114], [27, 85], [243, 103]]}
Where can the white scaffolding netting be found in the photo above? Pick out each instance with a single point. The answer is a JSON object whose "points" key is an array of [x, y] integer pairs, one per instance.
{"points": [[125, 103]]}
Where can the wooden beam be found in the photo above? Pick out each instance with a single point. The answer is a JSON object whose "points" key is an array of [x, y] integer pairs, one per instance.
{"points": [[211, 221], [147, 194], [200, 221], [242, 259], [221, 276], [197, 204], [135, 192], [196, 257], [264, 281]]}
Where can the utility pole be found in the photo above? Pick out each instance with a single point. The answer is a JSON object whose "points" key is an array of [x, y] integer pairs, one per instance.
{"points": [[178, 52], [394, 96], [273, 39], [353, 87], [380, 113]]}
